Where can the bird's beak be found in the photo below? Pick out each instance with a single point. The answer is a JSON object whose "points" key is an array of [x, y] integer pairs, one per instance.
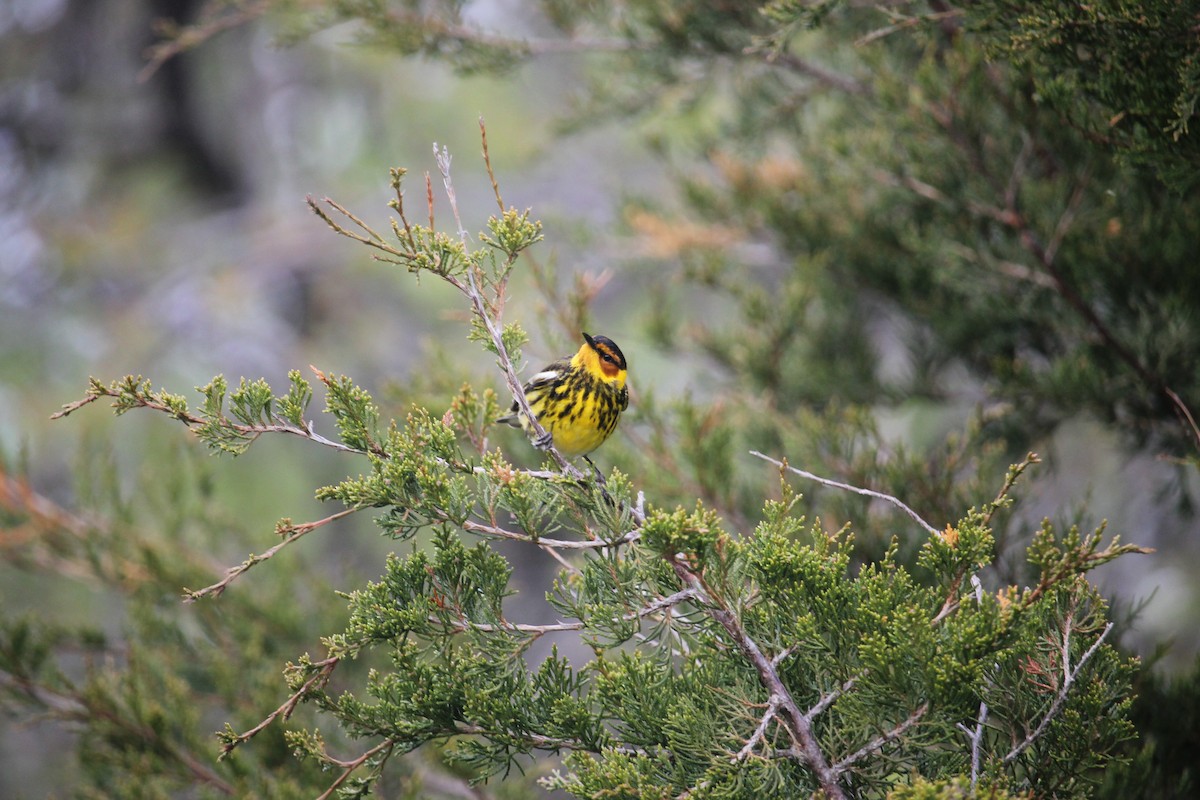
{"points": [[591, 342]]}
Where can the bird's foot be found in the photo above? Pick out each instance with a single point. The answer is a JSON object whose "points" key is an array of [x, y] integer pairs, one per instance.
{"points": [[595, 469], [600, 482]]}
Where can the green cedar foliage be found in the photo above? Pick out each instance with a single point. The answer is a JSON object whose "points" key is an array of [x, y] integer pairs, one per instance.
{"points": [[774, 659]]}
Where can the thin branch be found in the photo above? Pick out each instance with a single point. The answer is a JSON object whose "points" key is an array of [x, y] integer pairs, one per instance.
{"points": [[193, 420], [285, 711], [514, 383], [1066, 219], [348, 214], [1069, 677], [443, 159], [42, 537], [810, 69], [976, 737], [760, 731], [374, 240], [542, 742], [178, 39], [291, 533], [350, 766], [1010, 480], [903, 22], [1184, 412], [827, 700], [559, 544], [487, 163], [429, 198], [662, 603], [69, 408], [847, 487], [881, 740], [782, 655]]}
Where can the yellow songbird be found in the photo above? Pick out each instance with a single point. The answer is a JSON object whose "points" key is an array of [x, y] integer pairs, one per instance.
{"points": [[578, 400]]}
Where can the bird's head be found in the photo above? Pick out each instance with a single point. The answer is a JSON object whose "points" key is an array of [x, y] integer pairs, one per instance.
{"points": [[602, 359]]}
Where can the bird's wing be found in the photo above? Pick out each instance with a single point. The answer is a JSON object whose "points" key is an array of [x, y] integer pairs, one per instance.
{"points": [[543, 379], [547, 377]]}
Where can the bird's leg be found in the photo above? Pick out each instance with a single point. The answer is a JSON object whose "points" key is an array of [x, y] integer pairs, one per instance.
{"points": [[600, 482], [599, 474], [544, 442]]}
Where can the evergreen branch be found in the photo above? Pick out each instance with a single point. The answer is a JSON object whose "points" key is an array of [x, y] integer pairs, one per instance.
{"points": [[318, 680], [1044, 255], [68, 408], [847, 487], [397, 175], [1010, 480], [39, 539], [86, 706], [181, 39], [374, 240], [287, 530], [349, 767], [805, 747], [1079, 557], [1015, 471], [129, 396], [881, 740], [463, 624], [1069, 677]]}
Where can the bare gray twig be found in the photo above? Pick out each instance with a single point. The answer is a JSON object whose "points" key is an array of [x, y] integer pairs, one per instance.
{"points": [[976, 737], [838, 485]]}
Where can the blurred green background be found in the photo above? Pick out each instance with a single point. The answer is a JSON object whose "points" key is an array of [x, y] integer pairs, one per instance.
{"points": [[158, 227]]}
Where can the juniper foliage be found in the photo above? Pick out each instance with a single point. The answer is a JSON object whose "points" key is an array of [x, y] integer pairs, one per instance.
{"points": [[705, 661]]}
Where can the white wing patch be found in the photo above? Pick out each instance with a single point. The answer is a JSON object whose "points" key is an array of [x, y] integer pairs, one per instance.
{"points": [[542, 378]]}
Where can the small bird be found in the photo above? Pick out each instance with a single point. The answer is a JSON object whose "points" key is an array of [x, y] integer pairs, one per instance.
{"points": [[577, 400]]}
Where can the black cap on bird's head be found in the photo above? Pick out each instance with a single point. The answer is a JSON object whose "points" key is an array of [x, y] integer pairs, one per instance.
{"points": [[607, 349]]}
